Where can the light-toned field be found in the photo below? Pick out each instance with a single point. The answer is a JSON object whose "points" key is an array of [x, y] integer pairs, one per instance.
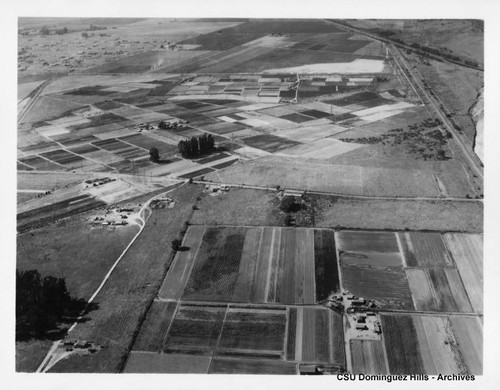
{"points": [[354, 67], [468, 333], [176, 279], [160, 363], [349, 180], [368, 357], [272, 265], [438, 289], [467, 251], [438, 347]]}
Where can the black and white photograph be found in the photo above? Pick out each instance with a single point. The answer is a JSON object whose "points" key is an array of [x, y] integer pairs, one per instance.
{"points": [[257, 195]]}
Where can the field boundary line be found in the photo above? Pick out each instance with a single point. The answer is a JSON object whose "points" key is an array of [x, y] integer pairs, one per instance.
{"points": [[178, 303], [216, 347]]}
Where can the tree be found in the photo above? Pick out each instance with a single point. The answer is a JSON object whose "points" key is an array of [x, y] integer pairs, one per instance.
{"points": [[176, 244], [289, 204], [41, 303], [44, 31], [154, 154]]}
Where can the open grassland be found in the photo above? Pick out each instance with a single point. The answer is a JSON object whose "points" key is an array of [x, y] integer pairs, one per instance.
{"points": [[74, 251], [399, 214], [125, 297], [368, 357], [350, 180], [30, 354], [238, 207], [467, 251]]}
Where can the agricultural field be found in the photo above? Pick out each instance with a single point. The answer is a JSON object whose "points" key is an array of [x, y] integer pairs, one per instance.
{"points": [[432, 344], [376, 267], [253, 265]]}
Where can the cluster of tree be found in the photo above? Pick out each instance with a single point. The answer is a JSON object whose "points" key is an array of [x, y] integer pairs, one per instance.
{"points": [[289, 204], [60, 31], [95, 28], [42, 303], [154, 154], [197, 146]]}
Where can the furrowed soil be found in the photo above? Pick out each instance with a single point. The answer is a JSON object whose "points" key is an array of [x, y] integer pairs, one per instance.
{"points": [[401, 342], [326, 269], [125, 297]]}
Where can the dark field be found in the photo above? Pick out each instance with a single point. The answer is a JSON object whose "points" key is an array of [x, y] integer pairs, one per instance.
{"points": [[270, 143], [253, 333], [385, 284], [325, 261], [197, 173], [401, 343], [425, 250], [195, 330], [353, 99], [367, 241], [216, 268]]}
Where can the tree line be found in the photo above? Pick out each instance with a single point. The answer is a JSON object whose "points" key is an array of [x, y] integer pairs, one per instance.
{"points": [[197, 146], [42, 303]]}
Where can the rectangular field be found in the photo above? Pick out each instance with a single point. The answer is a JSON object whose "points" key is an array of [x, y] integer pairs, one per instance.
{"points": [[387, 285], [438, 347], [368, 357], [401, 344], [438, 289], [326, 268], [315, 335], [249, 366], [467, 251], [175, 281], [269, 143], [254, 265], [425, 250], [160, 363], [155, 326], [253, 333], [359, 241], [195, 329]]}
